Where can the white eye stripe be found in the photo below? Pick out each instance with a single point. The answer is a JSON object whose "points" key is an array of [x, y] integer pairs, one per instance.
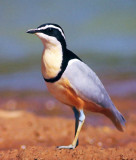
{"points": [[52, 26]]}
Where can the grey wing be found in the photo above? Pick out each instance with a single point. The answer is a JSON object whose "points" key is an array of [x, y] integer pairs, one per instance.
{"points": [[86, 83], [88, 86]]}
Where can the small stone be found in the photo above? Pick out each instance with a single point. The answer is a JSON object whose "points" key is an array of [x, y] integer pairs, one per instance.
{"points": [[99, 144], [23, 147]]}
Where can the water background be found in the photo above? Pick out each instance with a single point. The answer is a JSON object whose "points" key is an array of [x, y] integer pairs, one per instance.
{"points": [[101, 32]]}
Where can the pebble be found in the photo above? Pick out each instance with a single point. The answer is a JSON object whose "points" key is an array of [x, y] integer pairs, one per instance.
{"points": [[99, 144], [23, 146]]}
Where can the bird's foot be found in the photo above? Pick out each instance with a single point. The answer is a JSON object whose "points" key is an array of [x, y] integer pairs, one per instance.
{"points": [[67, 147]]}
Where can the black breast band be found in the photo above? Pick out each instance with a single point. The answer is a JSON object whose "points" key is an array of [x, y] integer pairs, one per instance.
{"points": [[67, 56], [54, 79]]}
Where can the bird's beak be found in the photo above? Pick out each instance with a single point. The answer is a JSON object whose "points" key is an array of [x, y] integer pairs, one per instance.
{"points": [[32, 31]]}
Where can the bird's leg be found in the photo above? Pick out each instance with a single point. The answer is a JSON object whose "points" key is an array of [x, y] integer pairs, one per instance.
{"points": [[76, 113], [80, 124]]}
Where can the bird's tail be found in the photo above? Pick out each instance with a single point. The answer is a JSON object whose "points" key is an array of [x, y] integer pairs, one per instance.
{"points": [[116, 117]]}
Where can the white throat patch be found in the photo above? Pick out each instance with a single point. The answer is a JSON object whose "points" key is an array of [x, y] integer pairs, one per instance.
{"points": [[47, 39]]}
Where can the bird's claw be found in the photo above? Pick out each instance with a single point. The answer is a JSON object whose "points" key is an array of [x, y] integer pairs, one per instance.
{"points": [[67, 147]]}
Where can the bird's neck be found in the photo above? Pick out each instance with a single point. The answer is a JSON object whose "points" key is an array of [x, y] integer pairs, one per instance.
{"points": [[51, 60]]}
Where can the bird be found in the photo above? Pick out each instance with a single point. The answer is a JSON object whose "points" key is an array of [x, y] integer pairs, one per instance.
{"points": [[73, 82]]}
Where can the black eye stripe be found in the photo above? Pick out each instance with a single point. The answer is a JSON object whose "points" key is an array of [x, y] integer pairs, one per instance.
{"points": [[54, 32]]}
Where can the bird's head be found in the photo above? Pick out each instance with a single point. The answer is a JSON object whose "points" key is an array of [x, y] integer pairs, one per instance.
{"points": [[50, 33]]}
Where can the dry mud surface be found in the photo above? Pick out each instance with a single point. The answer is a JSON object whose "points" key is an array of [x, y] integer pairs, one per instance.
{"points": [[28, 135]]}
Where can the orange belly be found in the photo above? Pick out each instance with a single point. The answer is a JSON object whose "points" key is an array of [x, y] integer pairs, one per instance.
{"points": [[63, 91]]}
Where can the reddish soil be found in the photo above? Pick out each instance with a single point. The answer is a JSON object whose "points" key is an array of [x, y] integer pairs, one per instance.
{"points": [[31, 128]]}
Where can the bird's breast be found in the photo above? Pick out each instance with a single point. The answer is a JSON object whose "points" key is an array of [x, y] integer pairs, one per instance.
{"points": [[51, 61]]}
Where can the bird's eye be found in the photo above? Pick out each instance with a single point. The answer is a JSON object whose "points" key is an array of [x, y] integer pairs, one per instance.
{"points": [[50, 29]]}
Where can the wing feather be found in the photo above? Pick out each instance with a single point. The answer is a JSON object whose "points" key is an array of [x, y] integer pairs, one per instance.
{"points": [[86, 83], [88, 86]]}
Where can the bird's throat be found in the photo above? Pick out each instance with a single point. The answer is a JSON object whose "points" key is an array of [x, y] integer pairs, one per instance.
{"points": [[51, 60]]}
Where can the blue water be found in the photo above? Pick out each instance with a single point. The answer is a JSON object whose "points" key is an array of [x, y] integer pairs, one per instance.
{"points": [[34, 81], [99, 26]]}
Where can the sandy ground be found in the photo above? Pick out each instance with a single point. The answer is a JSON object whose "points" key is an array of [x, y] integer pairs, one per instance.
{"points": [[30, 129]]}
